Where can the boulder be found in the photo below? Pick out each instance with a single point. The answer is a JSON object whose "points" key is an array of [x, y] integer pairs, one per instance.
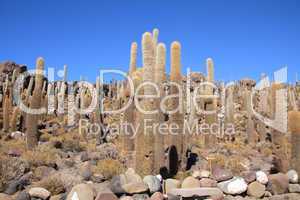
{"points": [[201, 174], [23, 196], [262, 177], [249, 176], [135, 188], [207, 193], [116, 184], [39, 192], [278, 183], [132, 183], [171, 184], [106, 195], [294, 188], [56, 197], [126, 198], [140, 197], [190, 182], [290, 196], [256, 189], [207, 182], [157, 196], [220, 174], [5, 197], [293, 176], [81, 191], [153, 183], [234, 186]]}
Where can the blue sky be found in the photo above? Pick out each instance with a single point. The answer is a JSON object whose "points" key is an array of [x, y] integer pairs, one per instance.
{"points": [[245, 38]]}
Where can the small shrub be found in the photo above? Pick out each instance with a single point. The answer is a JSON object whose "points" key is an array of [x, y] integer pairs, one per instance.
{"points": [[41, 156], [53, 184], [108, 168]]}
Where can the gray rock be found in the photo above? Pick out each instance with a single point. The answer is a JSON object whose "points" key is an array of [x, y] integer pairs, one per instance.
{"points": [[153, 183], [294, 188], [23, 196], [221, 174], [116, 184]]}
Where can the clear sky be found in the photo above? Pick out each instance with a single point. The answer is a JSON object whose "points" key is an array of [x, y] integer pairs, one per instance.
{"points": [[245, 38]]}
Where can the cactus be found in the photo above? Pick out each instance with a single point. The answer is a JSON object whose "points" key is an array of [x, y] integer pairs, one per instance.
{"points": [[65, 73], [133, 55], [176, 118], [144, 140], [14, 119], [160, 77], [7, 103], [294, 128], [31, 118], [210, 69], [155, 33]]}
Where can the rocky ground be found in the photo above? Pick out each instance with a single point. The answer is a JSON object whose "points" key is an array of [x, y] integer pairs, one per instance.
{"points": [[65, 166]]}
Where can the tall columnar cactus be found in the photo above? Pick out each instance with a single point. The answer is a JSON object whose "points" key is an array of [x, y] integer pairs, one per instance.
{"points": [[160, 77], [145, 139], [133, 56], [176, 138], [210, 69], [14, 119], [65, 73], [294, 128], [98, 113], [155, 33], [32, 118], [7, 104]]}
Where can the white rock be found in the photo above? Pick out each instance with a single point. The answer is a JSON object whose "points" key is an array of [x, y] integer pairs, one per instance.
{"points": [[236, 185], [293, 176], [159, 177], [39, 193], [262, 177]]}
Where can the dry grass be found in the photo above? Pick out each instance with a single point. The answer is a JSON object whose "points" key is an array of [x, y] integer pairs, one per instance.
{"points": [[108, 168], [53, 184], [41, 156]]}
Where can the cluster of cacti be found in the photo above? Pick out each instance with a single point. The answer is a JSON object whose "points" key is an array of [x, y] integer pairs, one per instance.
{"points": [[150, 145]]}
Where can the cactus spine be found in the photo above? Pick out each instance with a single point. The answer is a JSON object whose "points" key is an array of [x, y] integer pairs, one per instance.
{"points": [[31, 118]]}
